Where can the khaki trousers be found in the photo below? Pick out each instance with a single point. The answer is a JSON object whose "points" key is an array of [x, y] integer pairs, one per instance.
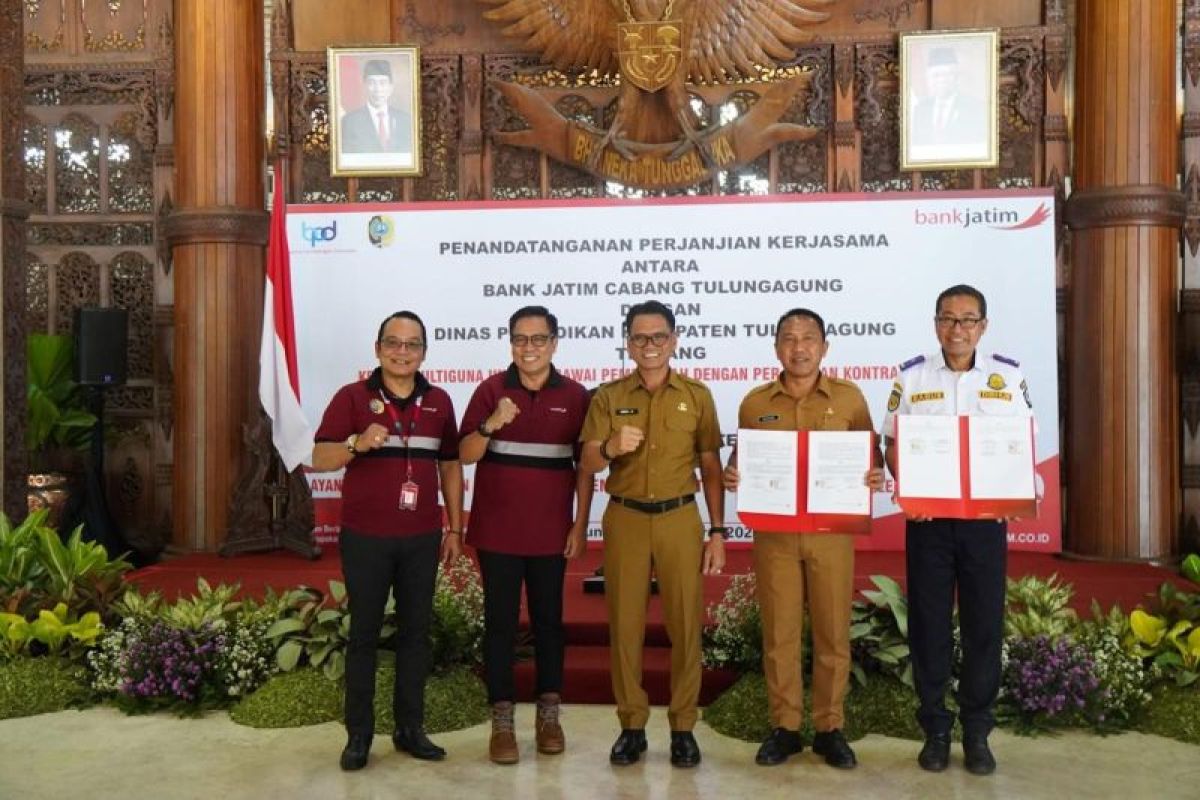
{"points": [[673, 544], [790, 567]]}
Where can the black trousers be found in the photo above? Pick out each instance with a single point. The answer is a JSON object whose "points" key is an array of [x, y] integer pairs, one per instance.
{"points": [[373, 565], [941, 556], [503, 575]]}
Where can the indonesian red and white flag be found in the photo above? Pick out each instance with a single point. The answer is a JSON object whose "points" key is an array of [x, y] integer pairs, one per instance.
{"points": [[278, 375]]}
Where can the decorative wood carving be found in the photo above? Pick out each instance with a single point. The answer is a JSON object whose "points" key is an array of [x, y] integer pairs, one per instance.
{"points": [[14, 211], [223, 225], [423, 32], [891, 10], [1115, 206], [655, 138], [1191, 40], [45, 24]]}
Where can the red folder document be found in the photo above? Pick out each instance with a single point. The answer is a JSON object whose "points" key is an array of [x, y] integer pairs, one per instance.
{"points": [[803, 521], [960, 501]]}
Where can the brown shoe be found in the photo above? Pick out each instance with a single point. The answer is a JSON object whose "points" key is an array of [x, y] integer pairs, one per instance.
{"points": [[550, 738], [502, 747]]}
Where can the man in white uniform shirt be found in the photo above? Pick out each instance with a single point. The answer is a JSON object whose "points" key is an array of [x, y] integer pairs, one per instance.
{"points": [[944, 555]]}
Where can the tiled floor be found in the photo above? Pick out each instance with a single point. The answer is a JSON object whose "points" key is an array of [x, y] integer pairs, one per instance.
{"points": [[100, 753]]}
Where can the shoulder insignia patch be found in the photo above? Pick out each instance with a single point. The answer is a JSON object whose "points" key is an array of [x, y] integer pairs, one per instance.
{"points": [[1025, 392], [1012, 362], [894, 398], [912, 362]]}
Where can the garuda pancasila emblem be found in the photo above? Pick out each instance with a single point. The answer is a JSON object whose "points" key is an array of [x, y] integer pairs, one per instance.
{"points": [[658, 47]]}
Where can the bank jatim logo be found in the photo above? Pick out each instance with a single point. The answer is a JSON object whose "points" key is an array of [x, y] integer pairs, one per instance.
{"points": [[997, 218], [318, 234], [381, 230]]}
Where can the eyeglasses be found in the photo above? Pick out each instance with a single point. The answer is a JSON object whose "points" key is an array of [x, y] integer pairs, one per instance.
{"points": [[537, 340], [412, 345], [966, 323], [643, 339]]}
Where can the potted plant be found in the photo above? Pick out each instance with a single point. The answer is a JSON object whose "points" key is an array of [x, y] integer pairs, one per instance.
{"points": [[58, 425]]}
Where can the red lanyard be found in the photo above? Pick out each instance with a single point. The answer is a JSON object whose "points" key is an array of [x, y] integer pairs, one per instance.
{"points": [[398, 425]]}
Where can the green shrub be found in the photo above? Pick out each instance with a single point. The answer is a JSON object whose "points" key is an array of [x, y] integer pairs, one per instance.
{"points": [[734, 640], [38, 570], [879, 632], [884, 706], [1170, 636], [1038, 607], [741, 710], [291, 699], [1173, 712], [53, 632], [30, 686], [454, 700], [457, 628]]}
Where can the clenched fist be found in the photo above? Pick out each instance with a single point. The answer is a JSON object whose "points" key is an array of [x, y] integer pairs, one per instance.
{"points": [[506, 411], [626, 439]]}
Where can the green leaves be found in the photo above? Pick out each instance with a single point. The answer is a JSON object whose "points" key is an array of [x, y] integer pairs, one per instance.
{"points": [[55, 414], [879, 632], [1191, 568], [1038, 607]]}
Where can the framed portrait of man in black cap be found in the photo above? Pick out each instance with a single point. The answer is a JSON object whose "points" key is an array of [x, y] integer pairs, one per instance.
{"points": [[948, 100], [374, 111]]}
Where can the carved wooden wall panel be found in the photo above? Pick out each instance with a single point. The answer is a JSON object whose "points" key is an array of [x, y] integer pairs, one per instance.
{"points": [[99, 174]]}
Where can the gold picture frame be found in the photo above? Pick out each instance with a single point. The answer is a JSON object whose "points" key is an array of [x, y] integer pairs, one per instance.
{"points": [[375, 111], [949, 91]]}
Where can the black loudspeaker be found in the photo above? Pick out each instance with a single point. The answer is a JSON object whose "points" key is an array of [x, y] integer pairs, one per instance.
{"points": [[101, 341]]}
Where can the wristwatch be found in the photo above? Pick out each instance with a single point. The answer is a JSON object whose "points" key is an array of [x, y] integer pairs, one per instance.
{"points": [[719, 530], [351, 441], [483, 431]]}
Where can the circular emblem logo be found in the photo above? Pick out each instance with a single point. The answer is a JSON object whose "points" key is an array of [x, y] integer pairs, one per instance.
{"points": [[996, 381], [376, 406]]}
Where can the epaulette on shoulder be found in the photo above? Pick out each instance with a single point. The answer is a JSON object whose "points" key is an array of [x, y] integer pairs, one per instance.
{"points": [[762, 387], [912, 362], [1012, 362]]}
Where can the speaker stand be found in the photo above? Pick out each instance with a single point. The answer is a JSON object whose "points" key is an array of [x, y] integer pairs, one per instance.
{"points": [[98, 524]]}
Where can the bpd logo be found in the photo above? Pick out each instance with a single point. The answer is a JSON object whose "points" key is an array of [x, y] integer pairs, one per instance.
{"points": [[313, 234], [381, 230]]}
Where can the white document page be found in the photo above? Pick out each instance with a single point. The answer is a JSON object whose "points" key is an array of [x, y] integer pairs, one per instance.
{"points": [[837, 461], [1001, 458], [928, 456], [767, 463]]}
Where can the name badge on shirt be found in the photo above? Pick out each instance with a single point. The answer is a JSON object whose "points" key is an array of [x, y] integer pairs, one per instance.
{"points": [[769, 418], [927, 397], [986, 395], [625, 412]]}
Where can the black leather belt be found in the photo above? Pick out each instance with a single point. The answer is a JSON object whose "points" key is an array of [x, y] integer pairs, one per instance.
{"points": [[653, 508]]}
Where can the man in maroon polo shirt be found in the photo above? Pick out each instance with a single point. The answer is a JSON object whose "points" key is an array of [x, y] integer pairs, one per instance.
{"points": [[395, 435], [529, 514]]}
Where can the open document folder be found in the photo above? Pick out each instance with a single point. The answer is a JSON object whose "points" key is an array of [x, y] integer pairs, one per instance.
{"points": [[966, 467], [805, 481]]}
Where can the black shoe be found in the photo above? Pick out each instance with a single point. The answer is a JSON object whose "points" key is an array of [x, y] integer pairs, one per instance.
{"points": [[629, 747], [414, 742], [684, 750], [978, 756], [776, 748], [835, 748], [935, 755], [356, 752]]}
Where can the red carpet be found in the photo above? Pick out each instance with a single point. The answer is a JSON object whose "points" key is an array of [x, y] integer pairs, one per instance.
{"points": [[587, 667]]}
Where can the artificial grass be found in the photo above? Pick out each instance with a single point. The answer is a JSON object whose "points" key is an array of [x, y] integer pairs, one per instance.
{"points": [[884, 706], [289, 700], [453, 700], [30, 686], [1173, 712]]}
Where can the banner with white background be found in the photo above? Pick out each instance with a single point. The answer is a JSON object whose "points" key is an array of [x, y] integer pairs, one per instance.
{"points": [[871, 265]]}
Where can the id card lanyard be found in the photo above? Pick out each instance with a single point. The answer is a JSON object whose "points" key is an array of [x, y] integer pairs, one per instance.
{"points": [[409, 490]]}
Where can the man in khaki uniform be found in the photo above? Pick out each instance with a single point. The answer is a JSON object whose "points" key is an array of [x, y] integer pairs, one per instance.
{"points": [[790, 566], [651, 429]]}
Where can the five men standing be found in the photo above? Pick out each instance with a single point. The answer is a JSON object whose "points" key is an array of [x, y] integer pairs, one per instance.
{"points": [[539, 442]]}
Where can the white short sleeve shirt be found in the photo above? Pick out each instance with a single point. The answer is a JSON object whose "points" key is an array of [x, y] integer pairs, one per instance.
{"points": [[925, 385]]}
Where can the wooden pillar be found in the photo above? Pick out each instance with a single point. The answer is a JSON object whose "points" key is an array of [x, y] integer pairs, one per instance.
{"points": [[218, 233], [1122, 445], [13, 213]]}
